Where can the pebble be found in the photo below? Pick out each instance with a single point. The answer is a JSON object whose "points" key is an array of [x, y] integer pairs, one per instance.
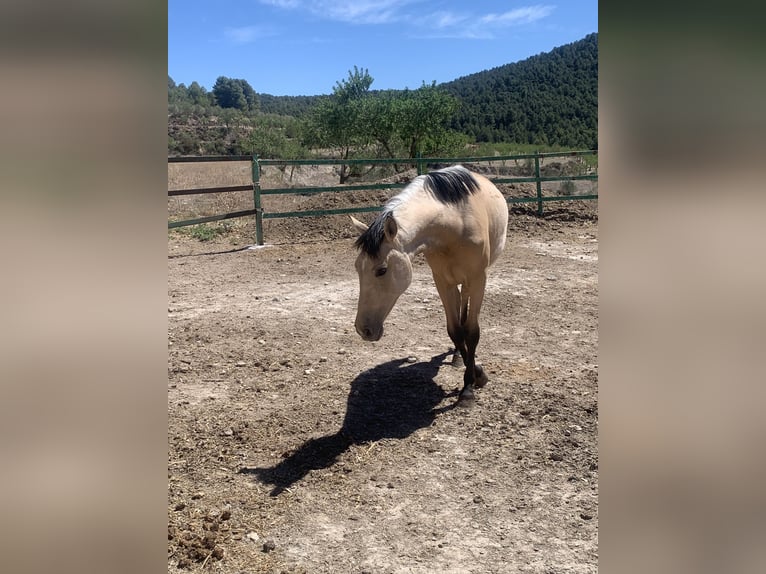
{"points": [[412, 359], [268, 546], [253, 536]]}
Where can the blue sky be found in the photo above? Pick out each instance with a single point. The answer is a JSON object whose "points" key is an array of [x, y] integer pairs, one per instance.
{"points": [[296, 47]]}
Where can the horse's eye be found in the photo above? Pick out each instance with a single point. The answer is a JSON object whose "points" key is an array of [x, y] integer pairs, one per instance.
{"points": [[380, 271]]}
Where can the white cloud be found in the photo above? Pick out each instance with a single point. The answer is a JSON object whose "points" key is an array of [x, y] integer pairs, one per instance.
{"points": [[472, 27], [447, 19], [517, 16], [247, 34], [361, 11], [282, 3], [441, 24], [351, 11]]}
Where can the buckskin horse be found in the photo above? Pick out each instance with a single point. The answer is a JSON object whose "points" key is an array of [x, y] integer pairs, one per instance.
{"points": [[459, 220]]}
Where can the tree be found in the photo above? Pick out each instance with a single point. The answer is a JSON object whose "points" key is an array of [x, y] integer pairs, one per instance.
{"points": [[251, 98], [337, 122], [235, 93], [177, 94], [355, 87], [406, 123], [356, 121], [229, 94], [378, 116], [198, 95], [421, 116]]}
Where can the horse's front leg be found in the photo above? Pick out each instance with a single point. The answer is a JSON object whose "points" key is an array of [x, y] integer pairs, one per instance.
{"points": [[462, 310], [455, 309], [474, 376], [456, 328], [466, 339]]}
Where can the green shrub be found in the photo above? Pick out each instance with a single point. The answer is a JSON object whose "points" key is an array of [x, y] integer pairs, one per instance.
{"points": [[568, 187], [205, 232]]}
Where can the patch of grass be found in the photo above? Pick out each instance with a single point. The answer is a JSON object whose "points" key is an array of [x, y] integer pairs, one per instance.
{"points": [[205, 231], [591, 161]]}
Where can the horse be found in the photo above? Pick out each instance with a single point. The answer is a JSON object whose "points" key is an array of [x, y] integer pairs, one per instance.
{"points": [[459, 220]]}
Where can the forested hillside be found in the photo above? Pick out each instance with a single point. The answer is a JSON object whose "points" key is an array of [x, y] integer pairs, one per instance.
{"points": [[550, 98], [296, 106]]}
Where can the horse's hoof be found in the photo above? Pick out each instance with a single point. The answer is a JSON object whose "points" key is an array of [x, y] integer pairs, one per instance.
{"points": [[457, 360], [466, 399], [481, 379]]}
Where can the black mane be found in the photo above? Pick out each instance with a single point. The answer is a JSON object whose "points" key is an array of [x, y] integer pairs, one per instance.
{"points": [[371, 239], [450, 185]]}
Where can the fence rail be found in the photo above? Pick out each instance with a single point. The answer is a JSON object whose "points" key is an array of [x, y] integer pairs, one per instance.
{"points": [[420, 163]]}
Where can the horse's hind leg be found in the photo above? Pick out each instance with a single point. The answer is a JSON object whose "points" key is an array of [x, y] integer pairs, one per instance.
{"points": [[480, 377]]}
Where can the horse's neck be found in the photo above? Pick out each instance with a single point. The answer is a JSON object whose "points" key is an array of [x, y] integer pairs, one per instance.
{"points": [[414, 219]]}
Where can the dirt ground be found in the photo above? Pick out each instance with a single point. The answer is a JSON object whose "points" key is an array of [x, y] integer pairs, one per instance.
{"points": [[296, 447]]}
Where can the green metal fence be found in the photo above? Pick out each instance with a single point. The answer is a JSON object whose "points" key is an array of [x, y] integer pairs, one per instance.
{"points": [[420, 163]]}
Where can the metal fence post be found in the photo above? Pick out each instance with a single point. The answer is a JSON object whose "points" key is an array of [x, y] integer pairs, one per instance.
{"points": [[539, 186], [257, 201], [419, 164]]}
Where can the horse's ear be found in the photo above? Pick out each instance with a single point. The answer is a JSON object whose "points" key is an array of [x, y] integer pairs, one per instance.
{"points": [[361, 227], [391, 228]]}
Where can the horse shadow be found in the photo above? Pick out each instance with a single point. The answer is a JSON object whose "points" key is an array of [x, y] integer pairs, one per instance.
{"points": [[392, 400]]}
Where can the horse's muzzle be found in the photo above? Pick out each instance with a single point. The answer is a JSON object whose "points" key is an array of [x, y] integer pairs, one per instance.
{"points": [[369, 334]]}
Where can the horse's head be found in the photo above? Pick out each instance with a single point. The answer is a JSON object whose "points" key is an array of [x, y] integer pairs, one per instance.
{"points": [[384, 271]]}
